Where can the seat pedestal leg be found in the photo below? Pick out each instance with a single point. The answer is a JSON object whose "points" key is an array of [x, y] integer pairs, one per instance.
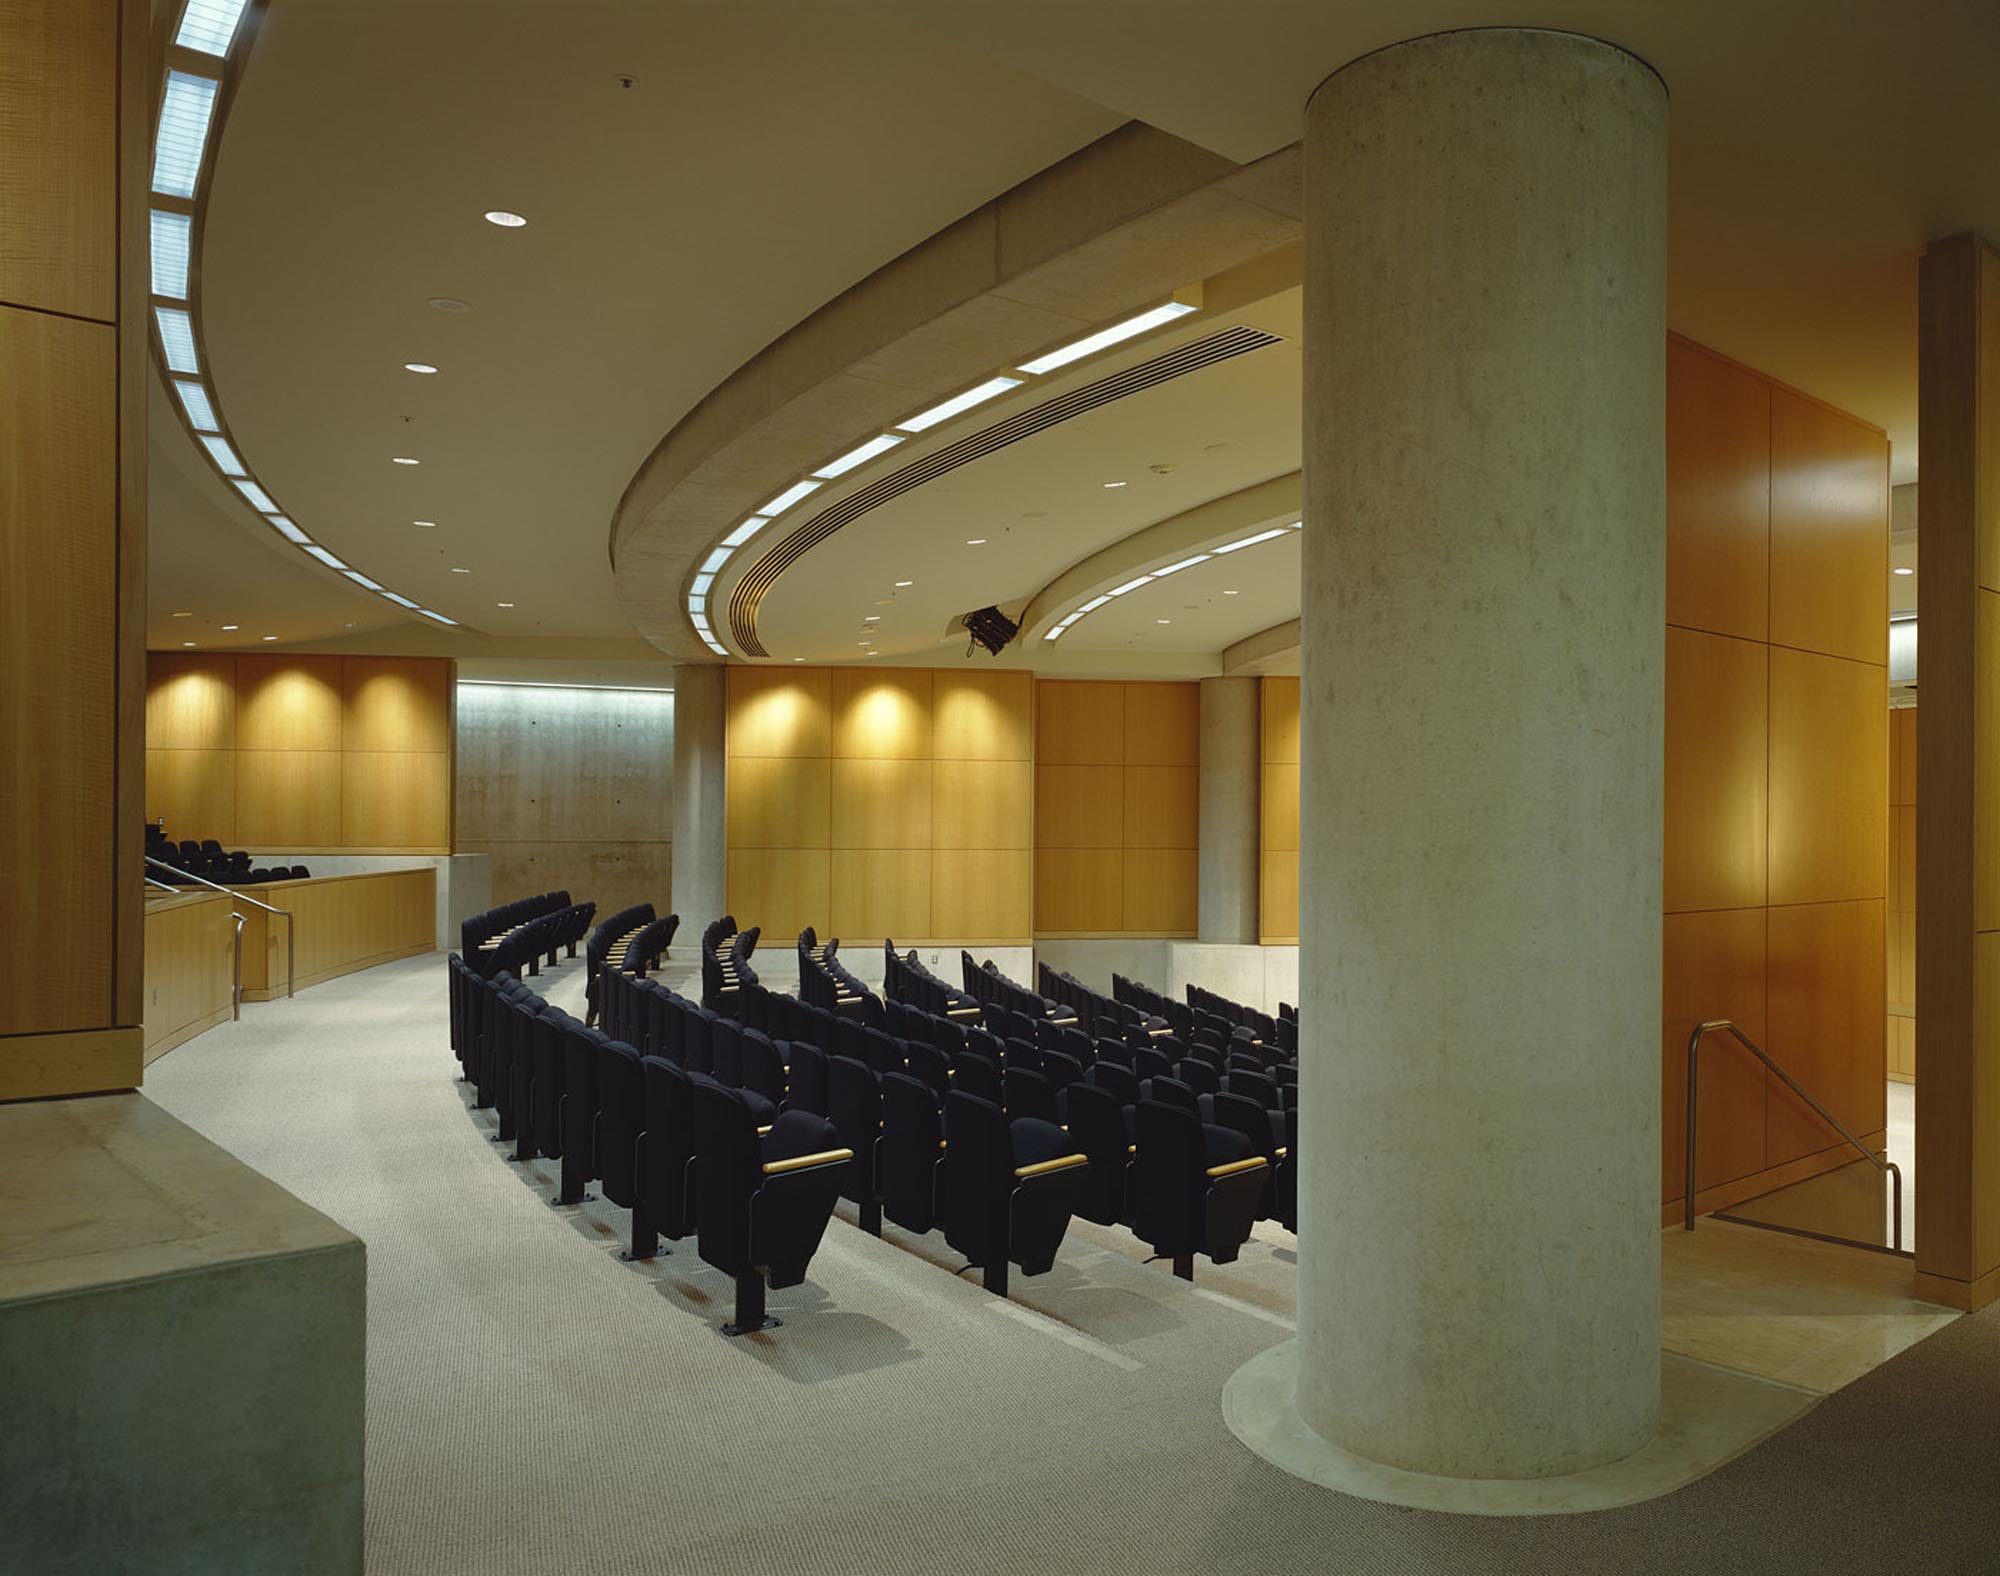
{"points": [[871, 1218], [750, 1314], [994, 1278], [645, 1238], [1184, 1266]]}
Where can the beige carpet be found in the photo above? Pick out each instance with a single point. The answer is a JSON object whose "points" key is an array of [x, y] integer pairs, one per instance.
{"points": [[535, 1405]]}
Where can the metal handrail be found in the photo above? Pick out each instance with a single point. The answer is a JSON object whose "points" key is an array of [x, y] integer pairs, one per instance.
{"points": [[291, 925], [236, 981], [1880, 1162], [164, 886]]}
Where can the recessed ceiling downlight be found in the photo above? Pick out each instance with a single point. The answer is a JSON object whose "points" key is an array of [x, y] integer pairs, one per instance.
{"points": [[504, 219], [448, 304], [403, 459], [423, 367]]}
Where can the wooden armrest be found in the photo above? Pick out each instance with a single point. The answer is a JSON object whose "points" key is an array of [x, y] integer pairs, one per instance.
{"points": [[764, 1129], [1043, 1167], [1237, 1167], [1283, 1152], [777, 1168]]}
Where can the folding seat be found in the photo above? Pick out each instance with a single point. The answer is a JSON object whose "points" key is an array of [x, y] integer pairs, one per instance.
{"points": [[725, 1049], [1285, 1186], [1074, 1043], [850, 1039], [882, 1052], [1119, 1082], [546, 1051], [1198, 1075], [1195, 1187], [697, 1027], [1171, 1091], [762, 1065], [1258, 1086], [1265, 1132], [621, 1115], [1024, 1054], [578, 1119], [1149, 1064], [664, 1159], [1097, 1127], [1007, 1186], [976, 1075], [805, 1078], [912, 1145], [1027, 1094], [1060, 1069], [761, 1202], [854, 1105], [928, 1065], [1112, 1049]]}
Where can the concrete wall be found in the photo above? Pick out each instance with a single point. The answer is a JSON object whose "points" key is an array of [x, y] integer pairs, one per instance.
{"points": [[565, 786], [1258, 977]]}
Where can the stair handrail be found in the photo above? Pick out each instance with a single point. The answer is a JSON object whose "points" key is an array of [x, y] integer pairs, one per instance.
{"points": [[291, 926], [1880, 1162]]}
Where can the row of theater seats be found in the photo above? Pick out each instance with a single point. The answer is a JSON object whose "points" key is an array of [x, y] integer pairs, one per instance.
{"points": [[985, 984], [632, 939], [209, 860], [516, 936], [1097, 1012], [725, 960], [1231, 1106], [684, 1153], [904, 978], [824, 981]]}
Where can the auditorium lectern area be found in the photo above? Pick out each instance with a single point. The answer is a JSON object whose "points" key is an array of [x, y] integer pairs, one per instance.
{"points": [[919, 788]]}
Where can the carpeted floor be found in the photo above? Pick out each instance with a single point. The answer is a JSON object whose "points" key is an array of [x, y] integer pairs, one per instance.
{"points": [[535, 1405]]}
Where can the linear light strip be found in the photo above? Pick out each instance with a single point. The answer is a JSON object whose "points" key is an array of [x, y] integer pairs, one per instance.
{"points": [[207, 26], [1056, 631], [186, 108], [177, 339], [1105, 338], [170, 242], [195, 402]]}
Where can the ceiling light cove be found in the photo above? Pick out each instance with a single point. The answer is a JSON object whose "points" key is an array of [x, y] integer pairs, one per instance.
{"points": [[958, 404], [186, 129], [1055, 631], [859, 456], [1105, 338]]}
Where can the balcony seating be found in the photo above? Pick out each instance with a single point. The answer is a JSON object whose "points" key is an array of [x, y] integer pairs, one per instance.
{"points": [[761, 1203]]}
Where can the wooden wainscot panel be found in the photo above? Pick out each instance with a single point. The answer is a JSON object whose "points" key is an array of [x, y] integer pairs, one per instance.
{"points": [[287, 799], [982, 716], [1163, 724], [773, 712], [343, 923], [881, 804], [1828, 1011], [983, 895], [1829, 531], [1718, 494], [776, 802], [1278, 898], [194, 792], [782, 889], [396, 704], [1079, 806], [882, 713], [1713, 968], [1717, 789], [1280, 720], [1079, 724], [880, 893], [190, 945], [1162, 807], [1162, 891], [190, 701], [982, 804], [1079, 891], [396, 800], [288, 703], [1829, 777]]}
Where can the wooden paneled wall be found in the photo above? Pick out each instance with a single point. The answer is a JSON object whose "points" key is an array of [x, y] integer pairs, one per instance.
{"points": [[301, 753], [74, 96], [190, 955], [343, 924], [1278, 903], [1777, 759], [1901, 927], [880, 802], [1117, 808], [571, 788]]}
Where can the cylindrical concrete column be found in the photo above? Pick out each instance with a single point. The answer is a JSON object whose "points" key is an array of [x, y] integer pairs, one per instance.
{"points": [[700, 784], [1482, 719], [1230, 843]]}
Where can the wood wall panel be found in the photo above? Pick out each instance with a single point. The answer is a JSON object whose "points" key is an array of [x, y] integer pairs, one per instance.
{"points": [[1079, 891], [394, 800], [1162, 725], [190, 948], [881, 803], [288, 799], [1900, 922], [290, 703], [396, 704], [912, 788], [982, 716], [59, 174], [782, 889], [1079, 724], [881, 713], [776, 712], [1827, 1009], [344, 923], [1161, 891], [191, 701], [1079, 806], [193, 788], [880, 892], [776, 802], [1278, 822], [1278, 898], [58, 650], [984, 804], [1162, 807], [1829, 531], [1717, 787], [982, 894], [1718, 494], [1829, 778], [1280, 707], [1713, 967]]}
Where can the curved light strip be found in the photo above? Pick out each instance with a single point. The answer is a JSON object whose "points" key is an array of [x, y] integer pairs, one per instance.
{"points": [[196, 63], [1061, 625], [873, 448]]}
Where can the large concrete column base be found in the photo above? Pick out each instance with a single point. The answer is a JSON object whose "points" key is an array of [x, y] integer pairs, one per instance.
{"points": [[1708, 1415]]}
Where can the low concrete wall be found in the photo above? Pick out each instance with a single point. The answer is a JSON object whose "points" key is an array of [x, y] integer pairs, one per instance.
{"points": [[1257, 976], [182, 1352]]}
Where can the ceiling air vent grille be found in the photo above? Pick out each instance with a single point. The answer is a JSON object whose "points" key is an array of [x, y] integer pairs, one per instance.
{"points": [[749, 593]]}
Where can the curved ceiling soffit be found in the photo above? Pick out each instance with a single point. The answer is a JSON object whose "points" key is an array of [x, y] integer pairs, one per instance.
{"points": [[1266, 651], [204, 47], [1126, 221], [1178, 542]]}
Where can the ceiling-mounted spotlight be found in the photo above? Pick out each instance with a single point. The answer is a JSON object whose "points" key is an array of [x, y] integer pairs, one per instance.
{"points": [[991, 628]]}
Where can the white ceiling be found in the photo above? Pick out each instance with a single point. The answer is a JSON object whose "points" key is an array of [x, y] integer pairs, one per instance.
{"points": [[773, 152]]}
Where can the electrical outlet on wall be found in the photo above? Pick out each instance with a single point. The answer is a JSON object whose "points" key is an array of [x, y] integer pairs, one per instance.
{"points": [[934, 957]]}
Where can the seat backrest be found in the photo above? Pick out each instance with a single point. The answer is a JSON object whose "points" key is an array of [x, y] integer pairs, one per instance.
{"points": [[727, 1169], [1117, 1081], [762, 1068], [1171, 1091], [975, 1075], [854, 1104]]}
